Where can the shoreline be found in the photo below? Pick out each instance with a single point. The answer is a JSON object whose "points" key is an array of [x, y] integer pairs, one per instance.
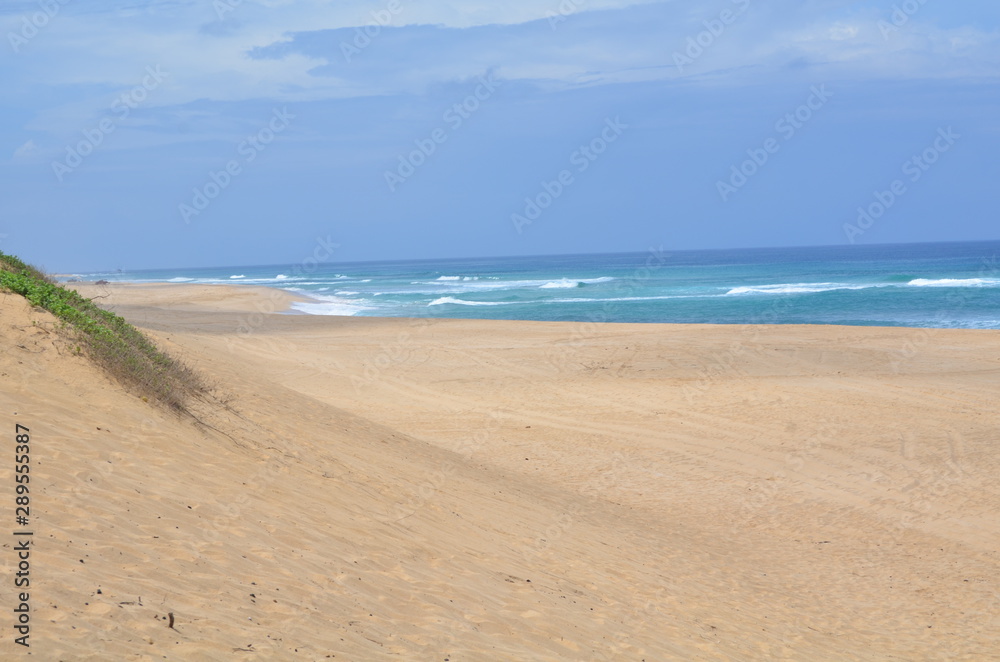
{"points": [[234, 297]]}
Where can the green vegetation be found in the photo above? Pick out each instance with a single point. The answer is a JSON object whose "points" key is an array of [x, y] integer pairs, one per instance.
{"points": [[114, 344]]}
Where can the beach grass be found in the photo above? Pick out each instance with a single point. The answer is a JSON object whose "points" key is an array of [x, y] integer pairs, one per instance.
{"points": [[113, 344]]}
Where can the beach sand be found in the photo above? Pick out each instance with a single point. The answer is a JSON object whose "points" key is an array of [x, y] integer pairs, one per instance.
{"points": [[368, 489]]}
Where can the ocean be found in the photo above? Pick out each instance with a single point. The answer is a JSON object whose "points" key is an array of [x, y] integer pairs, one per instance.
{"points": [[944, 285]]}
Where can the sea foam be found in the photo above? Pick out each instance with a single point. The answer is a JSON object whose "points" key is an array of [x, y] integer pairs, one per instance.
{"points": [[329, 305], [954, 282], [793, 288], [461, 302]]}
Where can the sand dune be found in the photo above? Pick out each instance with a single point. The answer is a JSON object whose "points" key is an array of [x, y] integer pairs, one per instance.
{"points": [[367, 489]]}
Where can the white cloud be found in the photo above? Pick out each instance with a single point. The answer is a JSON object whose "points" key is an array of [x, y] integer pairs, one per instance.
{"points": [[923, 51], [109, 50], [840, 31], [298, 15], [25, 151]]}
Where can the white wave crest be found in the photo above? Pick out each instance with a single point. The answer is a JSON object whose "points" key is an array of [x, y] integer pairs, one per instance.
{"points": [[954, 282], [329, 305], [461, 302], [559, 284], [792, 288], [459, 284]]}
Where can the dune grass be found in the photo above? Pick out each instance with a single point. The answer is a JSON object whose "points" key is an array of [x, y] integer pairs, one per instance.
{"points": [[111, 342]]}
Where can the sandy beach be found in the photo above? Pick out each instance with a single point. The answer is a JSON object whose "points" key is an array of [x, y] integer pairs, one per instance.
{"points": [[417, 489]]}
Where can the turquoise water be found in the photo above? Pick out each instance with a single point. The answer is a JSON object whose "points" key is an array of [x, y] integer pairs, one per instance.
{"points": [[919, 285]]}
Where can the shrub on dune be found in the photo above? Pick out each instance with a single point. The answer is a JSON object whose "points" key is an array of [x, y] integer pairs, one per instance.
{"points": [[114, 344]]}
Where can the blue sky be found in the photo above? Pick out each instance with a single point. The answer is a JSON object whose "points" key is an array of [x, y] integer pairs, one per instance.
{"points": [[172, 133]]}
